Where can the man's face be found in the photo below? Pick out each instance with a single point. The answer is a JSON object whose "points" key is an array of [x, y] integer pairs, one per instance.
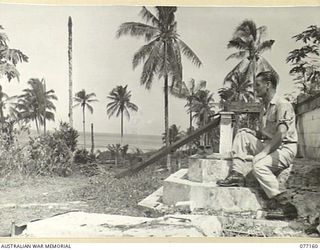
{"points": [[262, 87]]}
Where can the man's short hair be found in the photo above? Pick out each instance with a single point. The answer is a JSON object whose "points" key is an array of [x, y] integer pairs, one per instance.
{"points": [[271, 76]]}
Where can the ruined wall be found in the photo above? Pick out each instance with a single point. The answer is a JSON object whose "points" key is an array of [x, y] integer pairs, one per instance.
{"points": [[308, 124]]}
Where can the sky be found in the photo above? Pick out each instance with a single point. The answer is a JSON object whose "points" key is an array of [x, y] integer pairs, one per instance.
{"points": [[101, 61]]}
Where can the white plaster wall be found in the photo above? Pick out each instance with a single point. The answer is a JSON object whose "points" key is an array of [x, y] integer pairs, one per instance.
{"points": [[309, 134]]}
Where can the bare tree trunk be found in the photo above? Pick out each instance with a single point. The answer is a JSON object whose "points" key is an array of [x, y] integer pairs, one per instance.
{"points": [[190, 120], [44, 110], [37, 126], [254, 77], [92, 139], [84, 127], [121, 137], [70, 70], [166, 108], [166, 119]]}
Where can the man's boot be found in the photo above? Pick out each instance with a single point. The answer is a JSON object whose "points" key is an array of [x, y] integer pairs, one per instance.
{"points": [[285, 209], [235, 179]]}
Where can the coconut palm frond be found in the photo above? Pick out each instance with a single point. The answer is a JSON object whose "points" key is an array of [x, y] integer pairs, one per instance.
{"points": [[144, 52], [238, 55], [149, 17], [238, 43], [266, 45], [90, 108], [186, 50], [112, 110], [135, 29], [246, 29], [132, 106], [150, 69]]}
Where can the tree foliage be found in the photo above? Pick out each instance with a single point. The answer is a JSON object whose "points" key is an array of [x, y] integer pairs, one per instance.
{"points": [[36, 104], [84, 100], [120, 104], [305, 61], [249, 41]]}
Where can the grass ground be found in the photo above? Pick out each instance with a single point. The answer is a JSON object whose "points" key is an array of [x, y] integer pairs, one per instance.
{"points": [[27, 199]]}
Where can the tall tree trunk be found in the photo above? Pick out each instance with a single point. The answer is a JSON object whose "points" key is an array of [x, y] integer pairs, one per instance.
{"points": [[254, 61], [166, 119], [37, 126], [84, 127], [166, 107], [44, 110], [190, 129], [92, 139], [70, 70], [190, 121], [121, 137]]}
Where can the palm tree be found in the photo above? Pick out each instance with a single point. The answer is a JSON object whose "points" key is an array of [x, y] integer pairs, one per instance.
{"points": [[120, 103], [250, 43], [36, 103], [83, 100], [189, 93], [174, 134], [202, 107], [240, 89], [9, 58], [162, 53]]}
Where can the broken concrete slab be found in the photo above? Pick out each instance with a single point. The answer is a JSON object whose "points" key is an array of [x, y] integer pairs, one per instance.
{"points": [[80, 224]]}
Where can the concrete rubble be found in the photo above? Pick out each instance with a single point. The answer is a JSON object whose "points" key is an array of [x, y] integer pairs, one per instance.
{"points": [[81, 224]]}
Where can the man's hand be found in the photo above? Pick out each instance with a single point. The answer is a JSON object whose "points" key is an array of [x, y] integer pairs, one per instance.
{"points": [[248, 130]]}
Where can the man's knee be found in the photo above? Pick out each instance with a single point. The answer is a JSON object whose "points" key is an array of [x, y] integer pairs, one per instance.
{"points": [[258, 169]]}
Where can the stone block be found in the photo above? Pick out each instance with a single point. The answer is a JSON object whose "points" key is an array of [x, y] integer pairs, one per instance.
{"points": [[208, 170], [227, 199]]}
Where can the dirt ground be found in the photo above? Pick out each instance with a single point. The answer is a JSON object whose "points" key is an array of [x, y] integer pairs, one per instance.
{"points": [[94, 189], [27, 199]]}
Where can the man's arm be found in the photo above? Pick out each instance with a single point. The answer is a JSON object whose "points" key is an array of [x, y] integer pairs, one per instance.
{"points": [[273, 144]]}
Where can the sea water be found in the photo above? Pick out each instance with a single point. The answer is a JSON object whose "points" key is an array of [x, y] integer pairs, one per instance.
{"points": [[101, 140]]}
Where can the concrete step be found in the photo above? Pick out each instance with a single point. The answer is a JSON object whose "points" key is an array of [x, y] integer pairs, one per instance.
{"points": [[177, 187]]}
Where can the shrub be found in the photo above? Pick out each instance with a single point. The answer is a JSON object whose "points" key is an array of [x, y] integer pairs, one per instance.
{"points": [[118, 152], [68, 134], [14, 158], [83, 156], [50, 155]]}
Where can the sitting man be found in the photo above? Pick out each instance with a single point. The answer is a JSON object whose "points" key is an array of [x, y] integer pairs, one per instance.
{"points": [[274, 154]]}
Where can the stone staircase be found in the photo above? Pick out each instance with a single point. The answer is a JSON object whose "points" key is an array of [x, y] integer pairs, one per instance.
{"points": [[196, 188]]}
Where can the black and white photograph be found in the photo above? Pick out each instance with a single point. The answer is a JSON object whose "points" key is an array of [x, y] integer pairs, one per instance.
{"points": [[148, 121]]}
